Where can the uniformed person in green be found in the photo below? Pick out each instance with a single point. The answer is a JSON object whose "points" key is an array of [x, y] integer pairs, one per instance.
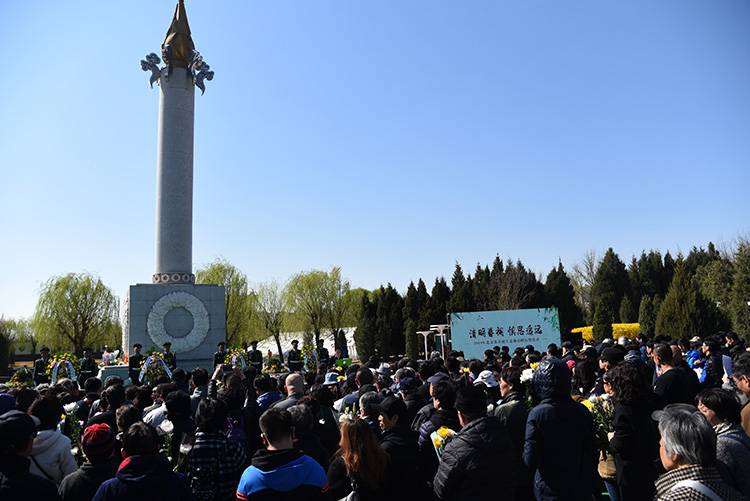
{"points": [[255, 356], [89, 368], [294, 358], [220, 355], [134, 364], [322, 354], [40, 366], [169, 358]]}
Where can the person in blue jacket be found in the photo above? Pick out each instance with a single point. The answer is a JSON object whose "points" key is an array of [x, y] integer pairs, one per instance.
{"points": [[280, 471]]}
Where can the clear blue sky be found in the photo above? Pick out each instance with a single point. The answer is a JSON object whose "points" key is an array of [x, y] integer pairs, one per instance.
{"points": [[391, 138]]}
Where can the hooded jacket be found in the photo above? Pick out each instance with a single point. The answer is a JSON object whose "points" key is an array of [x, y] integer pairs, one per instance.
{"points": [[472, 461], [145, 477], [51, 457], [559, 445], [282, 475]]}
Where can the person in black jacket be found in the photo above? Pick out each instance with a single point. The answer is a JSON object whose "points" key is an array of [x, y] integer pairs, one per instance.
{"points": [[635, 440], [169, 357], [713, 366], [512, 411], [471, 461], [134, 364], [88, 366], [400, 442], [17, 432], [559, 447], [443, 399], [98, 443]]}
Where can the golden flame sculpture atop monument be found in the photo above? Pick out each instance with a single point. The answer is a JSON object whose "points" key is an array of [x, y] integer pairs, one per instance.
{"points": [[178, 46]]}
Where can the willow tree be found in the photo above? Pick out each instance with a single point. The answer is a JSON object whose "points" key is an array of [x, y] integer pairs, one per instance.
{"points": [[269, 309], [306, 296], [76, 310], [236, 299]]}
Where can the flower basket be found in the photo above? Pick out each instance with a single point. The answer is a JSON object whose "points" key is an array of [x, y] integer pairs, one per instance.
{"points": [[63, 365], [153, 367]]}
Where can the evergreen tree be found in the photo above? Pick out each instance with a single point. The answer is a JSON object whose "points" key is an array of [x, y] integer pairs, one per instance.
{"points": [[611, 283], [741, 291], [699, 257], [627, 310], [481, 289], [423, 300], [646, 317], [438, 303], [496, 278], [364, 336], [685, 312], [656, 302], [603, 317], [715, 281], [411, 321], [668, 275], [559, 293], [460, 292]]}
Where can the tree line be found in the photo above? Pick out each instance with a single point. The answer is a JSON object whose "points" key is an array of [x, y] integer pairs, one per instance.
{"points": [[702, 292]]}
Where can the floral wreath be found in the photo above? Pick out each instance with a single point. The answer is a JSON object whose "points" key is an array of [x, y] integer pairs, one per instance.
{"points": [[165, 304], [153, 367], [65, 362], [236, 358]]}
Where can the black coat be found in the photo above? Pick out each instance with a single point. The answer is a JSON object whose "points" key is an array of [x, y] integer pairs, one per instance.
{"points": [[82, 484], [17, 484], [401, 445], [559, 445], [512, 412], [636, 447], [472, 461]]}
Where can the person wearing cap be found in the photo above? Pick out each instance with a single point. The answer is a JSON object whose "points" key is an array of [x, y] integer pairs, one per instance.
{"points": [[169, 358], [487, 381], [559, 446], [687, 450], [255, 356], [50, 456], [221, 353], [88, 366], [400, 442], [428, 409], [407, 388], [98, 443], [17, 432], [144, 474], [40, 367], [608, 360], [134, 364], [481, 450], [294, 358]]}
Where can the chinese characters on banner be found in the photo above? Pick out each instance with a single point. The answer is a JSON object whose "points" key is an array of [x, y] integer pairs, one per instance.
{"points": [[475, 332]]}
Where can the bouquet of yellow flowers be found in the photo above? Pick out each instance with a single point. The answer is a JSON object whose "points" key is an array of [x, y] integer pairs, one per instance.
{"points": [[440, 439]]}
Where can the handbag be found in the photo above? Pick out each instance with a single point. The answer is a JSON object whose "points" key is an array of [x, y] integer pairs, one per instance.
{"points": [[606, 466]]}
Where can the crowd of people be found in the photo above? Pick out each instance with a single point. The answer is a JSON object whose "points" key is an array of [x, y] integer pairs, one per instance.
{"points": [[637, 420]]}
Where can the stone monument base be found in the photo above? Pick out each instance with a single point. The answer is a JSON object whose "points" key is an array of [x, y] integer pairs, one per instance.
{"points": [[191, 317]]}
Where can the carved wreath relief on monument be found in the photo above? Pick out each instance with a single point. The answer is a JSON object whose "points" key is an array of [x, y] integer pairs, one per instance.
{"points": [[155, 323]]}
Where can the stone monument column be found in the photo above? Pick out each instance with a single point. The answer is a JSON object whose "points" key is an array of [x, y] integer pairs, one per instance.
{"points": [[173, 308], [174, 178]]}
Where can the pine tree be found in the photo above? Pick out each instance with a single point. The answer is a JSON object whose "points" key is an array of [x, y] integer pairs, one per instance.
{"points": [[741, 291], [423, 302], [611, 283], [627, 310], [685, 312], [460, 292], [603, 317], [438, 303], [559, 293], [646, 317], [411, 319], [364, 336], [668, 274], [496, 278]]}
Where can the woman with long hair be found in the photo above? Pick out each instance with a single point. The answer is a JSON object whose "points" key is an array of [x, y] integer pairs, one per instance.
{"points": [[635, 439], [360, 464]]}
